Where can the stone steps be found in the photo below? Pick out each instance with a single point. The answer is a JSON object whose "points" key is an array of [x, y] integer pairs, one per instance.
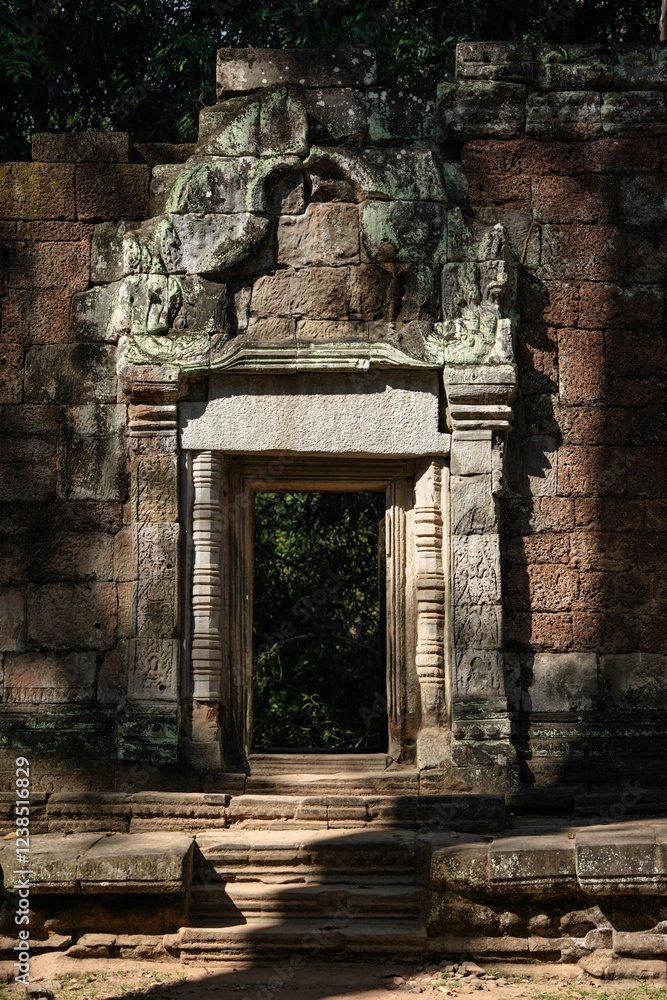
{"points": [[300, 939], [267, 891], [258, 900], [237, 854], [301, 764]]}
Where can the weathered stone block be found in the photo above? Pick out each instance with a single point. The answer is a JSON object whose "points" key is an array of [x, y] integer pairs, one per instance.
{"points": [[405, 231], [36, 191], [70, 373], [586, 252], [331, 331], [162, 153], [154, 488], [81, 147], [642, 200], [334, 113], [460, 866], [243, 70], [582, 368], [112, 191], [476, 560], [604, 550], [412, 175], [267, 124], [399, 113], [591, 471], [92, 453], [614, 860], [565, 116], [212, 245], [314, 292], [530, 864], [467, 110], [473, 506], [212, 184], [572, 67], [569, 199], [36, 265], [106, 255], [512, 61], [163, 179], [614, 306], [12, 620], [53, 860], [54, 232], [327, 234], [640, 68], [36, 317], [634, 114], [66, 615], [48, 678], [562, 682], [71, 557], [633, 680], [157, 607], [153, 674]]}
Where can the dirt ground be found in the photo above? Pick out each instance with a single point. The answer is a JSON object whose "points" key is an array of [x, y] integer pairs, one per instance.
{"points": [[101, 979]]}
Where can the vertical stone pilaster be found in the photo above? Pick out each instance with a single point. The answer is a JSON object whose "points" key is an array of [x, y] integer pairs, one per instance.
{"points": [[206, 583], [480, 415], [430, 659], [150, 594]]}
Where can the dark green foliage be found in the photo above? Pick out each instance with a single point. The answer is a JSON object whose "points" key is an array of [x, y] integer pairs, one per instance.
{"points": [[147, 66], [318, 650]]}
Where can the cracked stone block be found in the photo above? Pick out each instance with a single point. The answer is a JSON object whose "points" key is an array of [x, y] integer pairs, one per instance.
{"points": [[92, 453], [52, 860]]}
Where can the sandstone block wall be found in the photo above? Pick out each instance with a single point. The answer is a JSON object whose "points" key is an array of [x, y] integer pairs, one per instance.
{"points": [[567, 148]]}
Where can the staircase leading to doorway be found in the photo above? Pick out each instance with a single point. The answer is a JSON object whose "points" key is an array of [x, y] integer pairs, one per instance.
{"points": [[322, 874]]}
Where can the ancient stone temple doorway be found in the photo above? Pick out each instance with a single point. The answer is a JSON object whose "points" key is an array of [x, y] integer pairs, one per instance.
{"points": [[319, 620]]}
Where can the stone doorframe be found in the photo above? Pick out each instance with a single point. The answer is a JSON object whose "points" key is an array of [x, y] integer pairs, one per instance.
{"points": [[222, 619], [457, 598]]}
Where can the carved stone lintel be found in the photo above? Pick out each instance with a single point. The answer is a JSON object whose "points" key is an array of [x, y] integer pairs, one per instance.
{"points": [[206, 583]]}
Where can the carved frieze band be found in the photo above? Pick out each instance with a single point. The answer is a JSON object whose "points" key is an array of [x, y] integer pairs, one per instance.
{"points": [[206, 582], [428, 528]]}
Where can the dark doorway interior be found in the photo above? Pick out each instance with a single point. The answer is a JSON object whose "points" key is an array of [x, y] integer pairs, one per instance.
{"points": [[319, 675]]}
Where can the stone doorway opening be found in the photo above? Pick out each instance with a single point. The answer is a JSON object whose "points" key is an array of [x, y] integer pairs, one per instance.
{"points": [[319, 622]]}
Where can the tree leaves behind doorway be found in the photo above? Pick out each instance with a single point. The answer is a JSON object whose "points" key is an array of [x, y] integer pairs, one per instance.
{"points": [[318, 642], [148, 66]]}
